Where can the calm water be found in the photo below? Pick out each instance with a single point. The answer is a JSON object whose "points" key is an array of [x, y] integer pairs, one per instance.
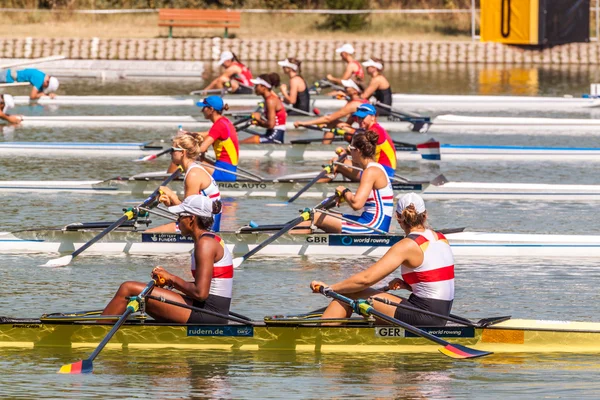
{"points": [[536, 288]]}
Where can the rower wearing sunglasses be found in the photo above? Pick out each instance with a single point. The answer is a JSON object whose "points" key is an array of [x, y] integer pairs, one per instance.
{"points": [[385, 153], [185, 151], [212, 269], [374, 195]]}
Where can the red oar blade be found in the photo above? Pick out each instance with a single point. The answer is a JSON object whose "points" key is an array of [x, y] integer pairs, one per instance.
{"points": [[460, 351], [79, 367]]}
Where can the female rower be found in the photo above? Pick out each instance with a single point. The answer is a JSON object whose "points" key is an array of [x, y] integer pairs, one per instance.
{"points": [[274, 116], [353, 91], [374, 194], [353, 68], [385, 154], [185, 151], [427, 267], [6, 103], [379, 85], [222, 136], [298, 95], [212, 269], [236, 74]]}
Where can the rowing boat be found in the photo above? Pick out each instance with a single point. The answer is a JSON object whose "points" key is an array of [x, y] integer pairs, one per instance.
{"points": [[447, 152], [145, 121], [469, 103], [302, 335], [463, 103], [137, 242], [144, 184], [440, 124], [287, 186]]}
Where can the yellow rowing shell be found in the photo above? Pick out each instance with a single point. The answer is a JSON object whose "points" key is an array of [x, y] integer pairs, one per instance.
{"points": [[526, 336]]}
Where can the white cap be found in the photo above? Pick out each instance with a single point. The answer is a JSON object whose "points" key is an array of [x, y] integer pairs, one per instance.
{"points": [[52, 85], [225, 56], [407, 200], [286, 63], [260, 81], [347, 48], [371, 63], [349, 83], [9, 102], [196, 204]]}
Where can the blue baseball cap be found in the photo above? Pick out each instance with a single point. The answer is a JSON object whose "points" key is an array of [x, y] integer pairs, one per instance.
{"points": [[363, 110], [212, 101]]}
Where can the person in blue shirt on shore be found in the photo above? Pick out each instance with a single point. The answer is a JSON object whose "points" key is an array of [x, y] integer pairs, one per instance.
{"points": [[43, 84]]}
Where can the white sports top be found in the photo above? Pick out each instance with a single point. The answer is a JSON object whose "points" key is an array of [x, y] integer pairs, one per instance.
{"points": [[222, 278], [434, 278], [380, 201], [212, 191]]}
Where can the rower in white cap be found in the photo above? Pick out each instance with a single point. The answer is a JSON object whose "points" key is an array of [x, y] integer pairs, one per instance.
{"points": [[6, 103], [298, 96], [379, 86], [236, 74], [353, 91], [353, 68], [43, 84]]}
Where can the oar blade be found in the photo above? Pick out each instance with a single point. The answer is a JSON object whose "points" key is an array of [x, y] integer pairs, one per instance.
{"points": [[79, 367], [461, 352], [146, 158], [59, 262], [238, 261]]}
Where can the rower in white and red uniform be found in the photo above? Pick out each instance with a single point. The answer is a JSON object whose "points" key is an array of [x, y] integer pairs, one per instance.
{"points": [[354, 69], [274, 116], [236, 74], [212, 269], [427, 266]]}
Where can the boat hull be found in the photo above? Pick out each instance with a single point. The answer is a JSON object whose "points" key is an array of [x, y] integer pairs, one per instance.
{"points": [[464, 244], [523, 336]]}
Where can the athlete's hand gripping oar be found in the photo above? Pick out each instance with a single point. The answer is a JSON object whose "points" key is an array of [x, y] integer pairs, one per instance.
{"points": [[304, 216], [129, 214], [326, 170], [86, 366], [362, 307], [154, 156]]}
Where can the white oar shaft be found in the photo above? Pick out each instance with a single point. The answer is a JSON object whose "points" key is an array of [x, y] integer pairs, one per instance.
{"points": [[205, 164], [334, 215], [32, 61], [14, 84], [396, 178], [172, 217]]}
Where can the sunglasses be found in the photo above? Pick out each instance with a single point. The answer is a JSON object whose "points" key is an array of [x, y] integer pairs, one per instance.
{"points": [[173, 149], [350, 147], [183, 215]]}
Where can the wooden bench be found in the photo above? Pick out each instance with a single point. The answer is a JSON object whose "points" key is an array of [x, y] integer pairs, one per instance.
{"points": [[187, 18]]}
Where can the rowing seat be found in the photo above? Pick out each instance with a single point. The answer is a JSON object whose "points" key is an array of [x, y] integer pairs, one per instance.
{"points": [[187, 18]]}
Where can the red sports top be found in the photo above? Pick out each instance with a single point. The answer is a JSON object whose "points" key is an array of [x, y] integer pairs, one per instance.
{"points": [[225, 145], [244, 79], [385, 154]]}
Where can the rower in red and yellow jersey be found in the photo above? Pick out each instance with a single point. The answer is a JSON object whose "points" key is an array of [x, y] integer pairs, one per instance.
{"points": [[354, 69], [223, 138], [385, 154], [353, 90]]}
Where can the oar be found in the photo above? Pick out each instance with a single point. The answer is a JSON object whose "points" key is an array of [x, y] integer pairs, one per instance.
{"points": [[397, 178], [86, 366], [299, 111], [243, 170], [14, 84], [234, 173], [215, 91], [326, 170], [304, 216], [129, 214], [32, 61], [420, 123], [154, 156], [364, 308]]}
